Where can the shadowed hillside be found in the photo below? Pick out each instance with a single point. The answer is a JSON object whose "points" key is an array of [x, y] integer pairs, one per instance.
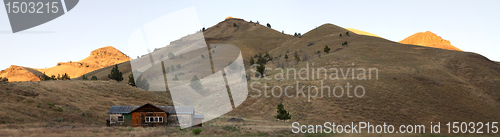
{"points": [[416, 84], [43, 103]]}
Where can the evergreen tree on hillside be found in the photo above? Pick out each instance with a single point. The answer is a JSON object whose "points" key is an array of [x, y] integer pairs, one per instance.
{"points": [[252, 61], [65, 77], [131, 80], [175, 78], [261, 69], [93, 78], [268, 25], [142, 83], [326, 49], [196, 83], [286, 57], [84, 77], [115, 74], [282, 113]]}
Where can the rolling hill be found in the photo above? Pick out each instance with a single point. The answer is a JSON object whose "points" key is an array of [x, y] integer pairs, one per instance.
{"points": [[414, 84], [98, 59], [429, 39]]}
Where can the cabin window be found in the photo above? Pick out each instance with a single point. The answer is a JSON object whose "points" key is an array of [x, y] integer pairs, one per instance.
{"points": [[154, 119], [120, 118]]}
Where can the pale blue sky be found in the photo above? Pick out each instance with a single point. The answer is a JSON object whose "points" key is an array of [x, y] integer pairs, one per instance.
{"points": [[470, 25]]}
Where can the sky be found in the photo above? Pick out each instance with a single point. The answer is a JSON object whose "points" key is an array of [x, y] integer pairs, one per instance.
{"points": [[470, 25]]}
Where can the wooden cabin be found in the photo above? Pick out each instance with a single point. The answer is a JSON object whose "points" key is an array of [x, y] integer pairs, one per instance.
{"points": [[151, 115]]}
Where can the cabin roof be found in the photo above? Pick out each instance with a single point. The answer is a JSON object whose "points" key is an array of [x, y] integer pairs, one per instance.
{"points": [[167, 109], [198, 116]]}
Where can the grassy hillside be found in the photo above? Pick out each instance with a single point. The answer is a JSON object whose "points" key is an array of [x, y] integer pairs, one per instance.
{"points": [[415, 85], [50, 103]]}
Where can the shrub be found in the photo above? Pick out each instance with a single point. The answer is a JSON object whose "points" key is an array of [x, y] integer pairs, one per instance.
{"points": [[310, 43], [268, 25], [202, 56], [326, 49], [58, 109], [197, 131], [93, 78], [347, 33], [286, 57], [175, 78], [203, 29], [65, 77], [171, 55], [230, 128], [345, 43], [252, 61], [115, 74], [234, 25], [178, 66], [84, 77], [340, 35]]}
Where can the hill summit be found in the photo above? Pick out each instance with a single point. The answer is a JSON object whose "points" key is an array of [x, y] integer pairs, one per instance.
{"points": [[429, 39], [99, 58]]}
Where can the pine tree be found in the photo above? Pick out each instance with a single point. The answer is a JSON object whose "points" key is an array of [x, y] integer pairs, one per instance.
{"points": [[175, 78], [115, 74], [172, 68], [286, 57], [196, 83], [282, 113], [327, 49], [203, 29], [252, 61], [234, 25], [65, 77], [268, 25], [131, 80], [84, 77], [142, 83], [261, 69]]}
